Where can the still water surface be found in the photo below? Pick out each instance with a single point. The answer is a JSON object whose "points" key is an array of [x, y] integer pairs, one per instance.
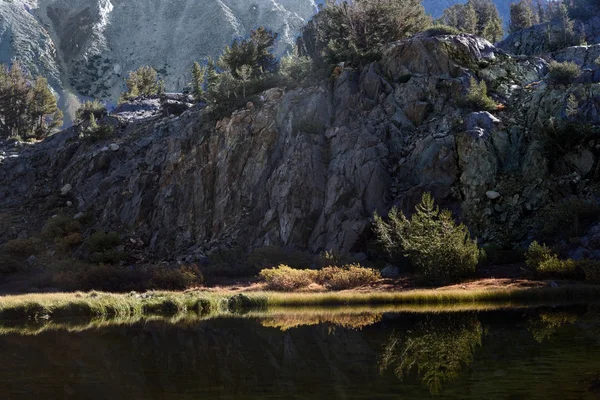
{"points": [[544, 353]]}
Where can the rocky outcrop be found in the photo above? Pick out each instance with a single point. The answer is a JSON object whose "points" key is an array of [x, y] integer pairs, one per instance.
{"points": [[542, 39], [307, 168]]}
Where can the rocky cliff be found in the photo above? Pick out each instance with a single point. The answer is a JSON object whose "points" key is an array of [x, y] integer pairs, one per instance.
{"points": [[308, 167]]}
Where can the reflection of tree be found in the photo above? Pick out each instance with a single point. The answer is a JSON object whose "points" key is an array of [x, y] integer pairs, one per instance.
{"points": [[545, 325], [438, 349]]}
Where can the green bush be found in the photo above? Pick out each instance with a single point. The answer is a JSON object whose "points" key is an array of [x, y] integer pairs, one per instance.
{"points": [[142, 82], [561, 136], [70, 274], [9, 264], [94, 132], [545, 263], [435, 245], [334, 278], [60, 226], [70, 241], [497, 255], [287, 279], [23, 247], [441, 30], [90, 109], [180, 278], [356, 32], [591, 270], [563, 73], [108, 257], [347, 277], [536, 254], [296, 68], [101, 241], [477, 96]]}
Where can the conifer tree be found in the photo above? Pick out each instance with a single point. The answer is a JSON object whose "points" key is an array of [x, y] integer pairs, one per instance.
{"points": [[198, 74], [356, 32], [489, 23], [461, 17], [143, 82], [27, 108], [522, 16], [478, 17], [44, 111]]}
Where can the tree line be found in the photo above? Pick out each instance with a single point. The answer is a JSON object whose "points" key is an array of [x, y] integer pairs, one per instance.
{"points": [[28, 108]]}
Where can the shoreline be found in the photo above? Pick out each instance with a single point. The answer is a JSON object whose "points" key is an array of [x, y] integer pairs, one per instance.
{"points": [[50, 306]]}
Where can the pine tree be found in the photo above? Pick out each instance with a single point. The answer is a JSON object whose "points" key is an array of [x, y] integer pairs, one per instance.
{"points": [[27, 109], [522, 16], [143, 82], [489, 23], [212, 80], [478, 17], [44, 109], [567, 36], [198, 74], [244, 74], [256, 52], [461, 17], [435, 245], [356, 32]]}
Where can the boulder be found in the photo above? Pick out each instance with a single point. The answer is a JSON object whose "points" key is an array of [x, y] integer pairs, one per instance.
{"points": [[582, 160], [492, 195], [66, 189]]}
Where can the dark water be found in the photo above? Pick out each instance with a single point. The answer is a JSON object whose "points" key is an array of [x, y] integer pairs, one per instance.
{"points": [[546, 353]]}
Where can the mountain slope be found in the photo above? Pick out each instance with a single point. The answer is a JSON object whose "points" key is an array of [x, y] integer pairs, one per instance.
{"points": [[86, 47]]}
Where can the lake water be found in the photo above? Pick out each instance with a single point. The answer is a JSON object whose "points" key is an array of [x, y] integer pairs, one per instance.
{"points": [[542, 353]]}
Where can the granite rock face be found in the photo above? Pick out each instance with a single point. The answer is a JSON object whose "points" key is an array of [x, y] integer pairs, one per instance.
{"points": [[306, 168]]}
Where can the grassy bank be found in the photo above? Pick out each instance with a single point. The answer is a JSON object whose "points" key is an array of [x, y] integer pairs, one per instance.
{"points": [[106, 305]]}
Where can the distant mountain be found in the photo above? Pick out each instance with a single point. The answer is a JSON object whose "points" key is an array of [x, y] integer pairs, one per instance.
{"points": [[86, 47]]}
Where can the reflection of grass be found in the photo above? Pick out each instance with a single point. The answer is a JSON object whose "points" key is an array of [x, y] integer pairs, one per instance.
{"points": [[356, 317], [95, 304], [287, 321]]}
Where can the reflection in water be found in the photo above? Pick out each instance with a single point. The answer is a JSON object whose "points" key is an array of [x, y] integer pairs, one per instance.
{"points": [[438, 349], [548, 323], [309, 354], [291, 320]]}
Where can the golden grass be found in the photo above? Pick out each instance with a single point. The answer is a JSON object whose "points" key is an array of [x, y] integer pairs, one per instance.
{"points": [[571, 292], [106, 305]]}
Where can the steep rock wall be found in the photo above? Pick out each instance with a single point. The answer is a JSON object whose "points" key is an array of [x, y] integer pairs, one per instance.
{"points": [[308, 167]]}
